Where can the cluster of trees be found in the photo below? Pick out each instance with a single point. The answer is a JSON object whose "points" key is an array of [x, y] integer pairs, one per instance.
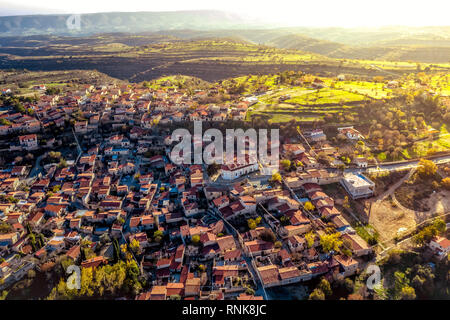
{"points": [[427, 233], [253, 223], [322, 291], [412, 277], [331, 242], [17, 102], [55, 156], [426, 169], [122, 278], [289, 165], [53, 91]]}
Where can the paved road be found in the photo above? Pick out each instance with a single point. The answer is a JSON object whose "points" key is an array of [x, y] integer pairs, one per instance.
{"points": [[37, 167], [398, 166]]}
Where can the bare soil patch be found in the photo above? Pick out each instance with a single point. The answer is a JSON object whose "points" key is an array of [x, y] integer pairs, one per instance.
{"points": [[390, 220]]}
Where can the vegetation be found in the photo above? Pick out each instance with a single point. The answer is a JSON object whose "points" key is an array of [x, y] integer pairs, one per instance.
{"points": [[331, 242], [253, 223], [104, 281], [275, 179], [429, 232]]}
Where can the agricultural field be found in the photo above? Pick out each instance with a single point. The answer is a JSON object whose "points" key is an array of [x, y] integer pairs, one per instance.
{"points": [[375, 90], [324, 96], [427, 147], [303, 103]]}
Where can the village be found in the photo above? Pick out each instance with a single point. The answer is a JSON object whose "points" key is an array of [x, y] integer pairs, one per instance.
{"points": [[90, 179]]}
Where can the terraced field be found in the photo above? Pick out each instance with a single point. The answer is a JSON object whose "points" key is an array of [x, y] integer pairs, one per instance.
{"points": [[307, 104]]}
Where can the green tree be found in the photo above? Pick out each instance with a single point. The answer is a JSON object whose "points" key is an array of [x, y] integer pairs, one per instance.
{"points": [[309, 206], [426, 168], [325, 287], [317, 294], [4, 295], [407, 293], [158, 233], [310, 238], [135, 246], [446, 183], [286, 163], [195, 239], [251, 224], [346, 203], [276, 178], [331, 242]]}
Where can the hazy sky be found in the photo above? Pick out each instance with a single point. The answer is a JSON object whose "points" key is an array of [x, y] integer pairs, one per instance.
{"points": [[345, 13]]}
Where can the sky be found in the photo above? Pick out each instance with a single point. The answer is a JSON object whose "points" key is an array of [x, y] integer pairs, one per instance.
{"points": [[314, 13]]}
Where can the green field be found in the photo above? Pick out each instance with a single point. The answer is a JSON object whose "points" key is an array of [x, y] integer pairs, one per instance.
{"points": [[307, 104]]}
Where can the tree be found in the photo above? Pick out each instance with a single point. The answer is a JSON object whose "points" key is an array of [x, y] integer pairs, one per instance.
{"points": [[346, 203], [349, 285], [253, 223], [286, 163], [158, 233], [407, 293], [317, 294], [310, 238], [135, 246], [62, 163], [195, 239], [276, 178], [309, 206], [325, 287], [426, 168], [429, 232], [4, 295], [400, 282], [331, 242], [446, 183]]}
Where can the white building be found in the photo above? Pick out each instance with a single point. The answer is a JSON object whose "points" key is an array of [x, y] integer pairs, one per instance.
{"points": [[441, 246], [29, 141], [360, 162], [234, 171], [351, 133], [358, 185]]}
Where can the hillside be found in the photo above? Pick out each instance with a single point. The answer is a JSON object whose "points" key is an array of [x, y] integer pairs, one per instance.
{"points": [[207, 59], [379, 44], [120, 22]]}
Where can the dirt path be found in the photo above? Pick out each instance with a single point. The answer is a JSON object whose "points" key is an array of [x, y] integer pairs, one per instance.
{"points": [[394, 187]]}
